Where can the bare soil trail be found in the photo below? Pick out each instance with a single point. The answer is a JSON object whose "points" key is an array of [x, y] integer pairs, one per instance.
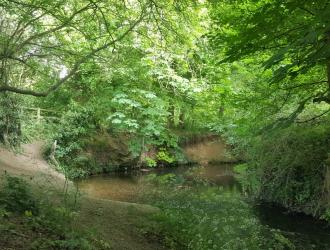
{"points": [[29, 164]]}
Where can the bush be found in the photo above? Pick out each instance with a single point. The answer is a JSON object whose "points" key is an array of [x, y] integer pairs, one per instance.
{"points": [[36, 223], [75, 127], [289, 167], [151, 163], [164, 157], [10, 120], [15, 196]]}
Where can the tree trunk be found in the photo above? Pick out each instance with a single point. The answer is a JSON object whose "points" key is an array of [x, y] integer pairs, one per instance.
{"points": [[328, 77]]}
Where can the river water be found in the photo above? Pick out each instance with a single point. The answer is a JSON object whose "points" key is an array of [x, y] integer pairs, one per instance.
{"points": [[127, 187]]}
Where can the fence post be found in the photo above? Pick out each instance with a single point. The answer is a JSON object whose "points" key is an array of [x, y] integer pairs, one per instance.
{"points": [[38, 115]]}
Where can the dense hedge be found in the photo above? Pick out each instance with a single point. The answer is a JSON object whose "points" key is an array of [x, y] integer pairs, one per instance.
{"points": [[291, 167]]}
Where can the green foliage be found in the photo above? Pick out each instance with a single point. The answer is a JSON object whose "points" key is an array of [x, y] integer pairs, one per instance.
{"points": [[16, 197], [248, 178], [326, 215], [32, 129], [144, 115], [76, 125], [31, 221], [151, 163], [164, 157], [10, 120], [296, 44], [3, 212], [241, 168], [272, 77], [248, 70], [290, 167], [63, 33], [272, 85]]}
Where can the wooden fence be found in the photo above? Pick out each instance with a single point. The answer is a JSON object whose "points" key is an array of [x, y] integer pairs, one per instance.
{"points": [[40, 114]]}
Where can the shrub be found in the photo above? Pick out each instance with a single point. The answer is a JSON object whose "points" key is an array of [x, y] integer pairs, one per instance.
{"points": [[151, 163], [164, 157], [75, 126], [289, 167], [10, 120], [15, 196], [35, 223]]}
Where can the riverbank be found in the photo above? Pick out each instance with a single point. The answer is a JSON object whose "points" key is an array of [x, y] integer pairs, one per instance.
{"points": [[115, 222], [113, 207]]}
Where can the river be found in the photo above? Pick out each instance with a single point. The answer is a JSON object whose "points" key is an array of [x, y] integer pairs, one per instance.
{"points": [[126, 187]]}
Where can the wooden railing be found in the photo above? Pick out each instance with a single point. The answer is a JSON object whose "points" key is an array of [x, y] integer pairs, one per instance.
{"points": [[41, 114]]}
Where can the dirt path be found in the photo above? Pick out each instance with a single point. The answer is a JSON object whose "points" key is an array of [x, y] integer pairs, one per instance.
{"points": [[30, 164], [116, 222]]}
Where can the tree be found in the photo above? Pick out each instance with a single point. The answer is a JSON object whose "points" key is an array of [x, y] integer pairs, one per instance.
{"points": [[292, 38], [43, 43]]}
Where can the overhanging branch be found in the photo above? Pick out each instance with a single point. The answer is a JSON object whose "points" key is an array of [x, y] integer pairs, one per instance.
{"points": [[75, 68]]}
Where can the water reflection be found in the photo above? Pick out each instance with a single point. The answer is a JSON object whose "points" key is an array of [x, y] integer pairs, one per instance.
{"points": [[300, 226], [118, 187], [126, 187]]}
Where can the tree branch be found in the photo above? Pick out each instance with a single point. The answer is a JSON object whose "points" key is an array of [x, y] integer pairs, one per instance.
{"points": [[306, 10], [75, 67], [59, 27], [323, 98], [315, 117], [303, 84]]}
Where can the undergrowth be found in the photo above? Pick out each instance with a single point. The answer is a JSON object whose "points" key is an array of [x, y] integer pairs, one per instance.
{"points": [[291, 167], [28, 221]]}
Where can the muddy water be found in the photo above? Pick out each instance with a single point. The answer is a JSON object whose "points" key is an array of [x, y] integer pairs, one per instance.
{"points": [[127, 186]]}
